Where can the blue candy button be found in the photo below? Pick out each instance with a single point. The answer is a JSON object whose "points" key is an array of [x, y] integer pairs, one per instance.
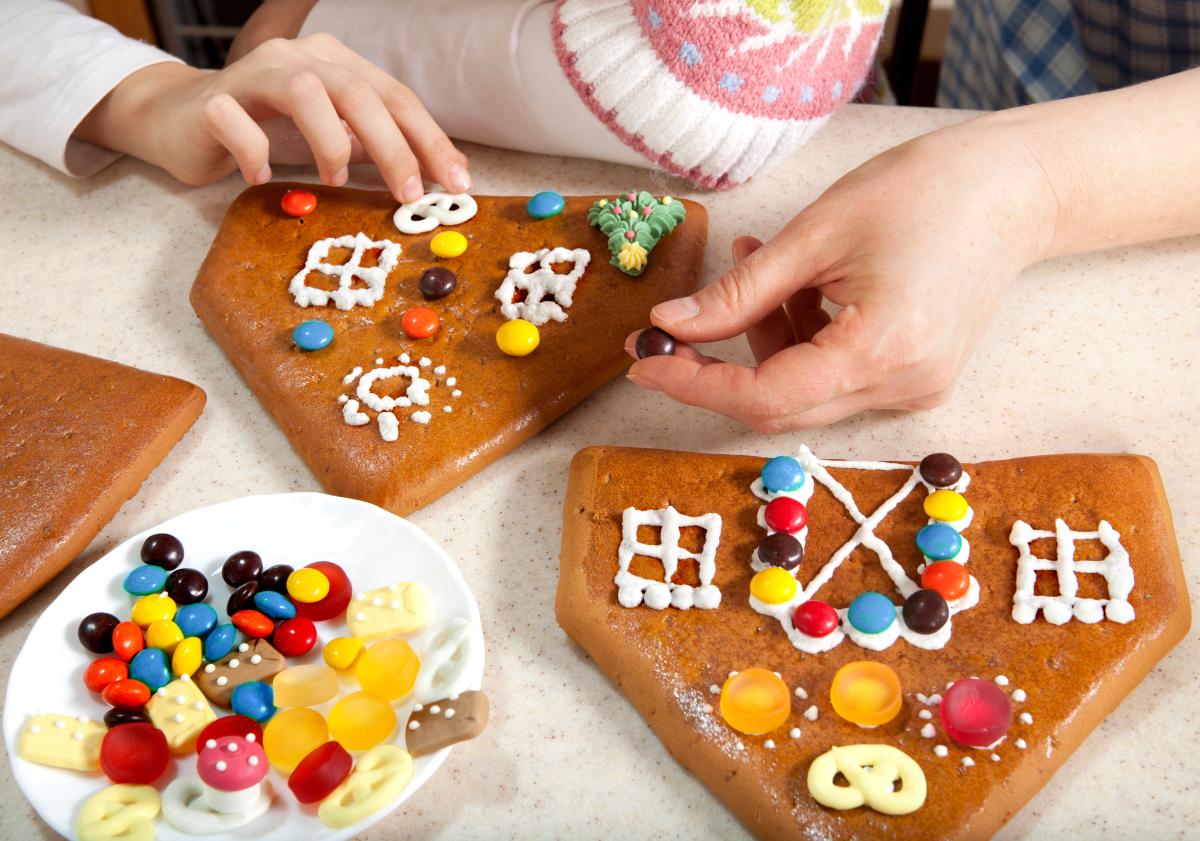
{"points": [[782, 473], [312, 335], [275, 605], [220, 642], [150, 667], [939, 542], [545, 204], [145, 580], [872, 613], [196, 620], [253, 699]]}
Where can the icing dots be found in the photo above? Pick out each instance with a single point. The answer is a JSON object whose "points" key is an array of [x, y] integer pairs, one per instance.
{"points": [[358, 285], [547, 293], [633, 590], [365, 397]]}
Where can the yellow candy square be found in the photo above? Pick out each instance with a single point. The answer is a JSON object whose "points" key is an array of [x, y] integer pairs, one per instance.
{"points": [[62, 741], [180, 711], [388, 612]]}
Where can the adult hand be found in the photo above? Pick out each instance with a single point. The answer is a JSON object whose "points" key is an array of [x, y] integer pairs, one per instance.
{"points": [[916, 247]]}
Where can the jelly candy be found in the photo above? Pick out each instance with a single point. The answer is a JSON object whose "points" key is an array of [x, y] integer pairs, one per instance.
{"points": [[866, 693], [164, 634], [253, 699], [305, 686], [388, 669], [388, 611], [103, 671], [361, 720], [119, 813], [785, 514], [773, 586], [150, 667], [241, 567], [313, 334], [941, 470], [150, 609], [181, 713], [755, 701], [815, 618], [926, 612], [420, 322], [334, 604], [220, 642], [242, 598], [117, 716], [320, 773], [518, 337], [298, 203], [782, 473], [975, 712], [292, 735], [947, 577], [135, 753], [162, 550], [545, 204], [274, 605], [126, 693], [307, 585], [145, 580], [252, 623], [275, 578], [230, 725], [448, 244], [61, 741], [187, 586], [295, 637], [378, 779], [96, 632], [127, 640], [947, 506], [871, 613], [196, 620], [340, 653], [939, 542]]}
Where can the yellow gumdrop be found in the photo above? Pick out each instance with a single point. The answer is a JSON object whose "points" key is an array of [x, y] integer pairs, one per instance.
{"points": [[518, 337], [304, 686], [307, 585], [164, 634], [341, 653], [153, 608], [361, 720], [866, 693], [388, 669], [187, 657], [291, 735], [947, 506], [755, 701], [448, 244], [773, 586]]}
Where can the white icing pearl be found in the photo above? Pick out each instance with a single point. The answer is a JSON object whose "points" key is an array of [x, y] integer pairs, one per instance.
{"points": [[221, 766]]}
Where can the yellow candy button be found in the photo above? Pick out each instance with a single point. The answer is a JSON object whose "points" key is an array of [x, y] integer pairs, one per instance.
{"points": [[947, 506], [518, 337], [164, 634], [187, 657], [755, 701], [448, 244], [153, 608], [341, 653], [773, 586], [866, 693], [307, 585]]}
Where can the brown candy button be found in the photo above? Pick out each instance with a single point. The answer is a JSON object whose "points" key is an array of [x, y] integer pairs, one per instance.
{"points": [[260, 661], [941, 470], [926, 611], [654, 341], [445, 723], [781, 550]]}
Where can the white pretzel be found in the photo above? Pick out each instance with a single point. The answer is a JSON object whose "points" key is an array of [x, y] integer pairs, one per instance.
{"points": [[540, 283], [446, 653], [379, 777], [186, 808], [119, 813], [434, 209], [872, 771], [344, 297]]}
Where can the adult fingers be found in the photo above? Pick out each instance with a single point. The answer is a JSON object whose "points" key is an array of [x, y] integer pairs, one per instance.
{"points": [[805, 314], [236, 131], [682, 349], [774, 332]]}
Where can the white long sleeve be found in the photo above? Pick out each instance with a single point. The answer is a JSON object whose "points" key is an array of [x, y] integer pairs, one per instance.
{"points": [[55, 66]]}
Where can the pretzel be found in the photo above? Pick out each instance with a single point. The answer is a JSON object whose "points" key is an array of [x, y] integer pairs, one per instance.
{"points": [[119, 813], [377, 780], [872, 771], [432, 210]]}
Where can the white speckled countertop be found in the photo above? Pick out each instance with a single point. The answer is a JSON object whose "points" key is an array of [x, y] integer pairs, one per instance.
{"points": [[1092, 353]]}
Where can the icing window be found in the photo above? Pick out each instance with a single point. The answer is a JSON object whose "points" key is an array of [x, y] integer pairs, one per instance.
{"points": [[637, 527]]}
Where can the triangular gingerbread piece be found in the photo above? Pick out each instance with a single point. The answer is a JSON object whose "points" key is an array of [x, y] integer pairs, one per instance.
{"points": [[1061, 679], [482, 403]]}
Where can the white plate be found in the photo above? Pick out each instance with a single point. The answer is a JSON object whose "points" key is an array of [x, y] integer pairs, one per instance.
{"points": [[374, 547]]}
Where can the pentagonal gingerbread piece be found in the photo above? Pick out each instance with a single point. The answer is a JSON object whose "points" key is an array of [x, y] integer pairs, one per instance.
{"points": [[447, 722], [249, 661]]}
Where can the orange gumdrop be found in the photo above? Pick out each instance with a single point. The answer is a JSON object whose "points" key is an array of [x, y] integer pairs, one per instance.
{"points": [[866, 693], [755, 701]]}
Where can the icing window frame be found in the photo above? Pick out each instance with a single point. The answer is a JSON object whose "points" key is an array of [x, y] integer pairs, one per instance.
{"points": [[634, 590]]}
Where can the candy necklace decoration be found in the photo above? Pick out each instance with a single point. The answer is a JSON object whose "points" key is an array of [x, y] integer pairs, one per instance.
{"points": [[345, 297], [432, 210], [634, 223], [547, 293], [633, 590]]}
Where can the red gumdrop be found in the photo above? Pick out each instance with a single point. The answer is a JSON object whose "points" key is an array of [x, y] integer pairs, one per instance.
{"points": [[126, 693], [100, 673], [815, 618], [298, 202], [253, 624], [295, 636], [128, 640], [319, 773], [975, 712], [134, 753], [230, 725], [335, 602], [786, 514]]}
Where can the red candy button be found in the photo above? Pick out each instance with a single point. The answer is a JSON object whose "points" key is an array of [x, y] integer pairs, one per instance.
{"points": [[815, 618], [230, 725], [134, 753], [298, 202], [319, 773], [100, 673], [126, 693], [128, 640], [975, 712], [335, 602], [253, 624], [949, 578], [295, 636], [420, 322], [786, 514]]}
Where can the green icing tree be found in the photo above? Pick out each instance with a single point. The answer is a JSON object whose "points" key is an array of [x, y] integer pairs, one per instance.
{"points": [[634, 223]]}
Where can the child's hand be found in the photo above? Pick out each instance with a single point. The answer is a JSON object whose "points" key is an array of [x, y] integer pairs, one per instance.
{"points": [[917, 246], [200, 126]]}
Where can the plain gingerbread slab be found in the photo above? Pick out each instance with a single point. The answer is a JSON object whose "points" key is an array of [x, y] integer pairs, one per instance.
{"points": [[78, 436], [241, 294], [666, 661]]}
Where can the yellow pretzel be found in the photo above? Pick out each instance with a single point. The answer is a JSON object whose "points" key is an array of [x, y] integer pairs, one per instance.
{"points": [[119, 813], [377, 780], [872, 771]]}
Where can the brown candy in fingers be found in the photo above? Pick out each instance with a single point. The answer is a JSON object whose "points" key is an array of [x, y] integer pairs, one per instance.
{"points": [[443, 723]]}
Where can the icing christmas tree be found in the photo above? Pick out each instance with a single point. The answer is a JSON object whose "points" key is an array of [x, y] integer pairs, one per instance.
{"points": [[634, 223]]}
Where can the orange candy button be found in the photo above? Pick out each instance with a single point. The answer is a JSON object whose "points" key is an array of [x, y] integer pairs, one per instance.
{"points": [[420, 322], [755, 701], [866, 693]]}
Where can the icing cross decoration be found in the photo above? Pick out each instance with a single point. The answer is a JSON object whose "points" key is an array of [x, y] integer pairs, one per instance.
{"points": [[547, 292], [347, 295], [634, 223], [416, 394], [1058, 610], [432, 210], [633, 590]]}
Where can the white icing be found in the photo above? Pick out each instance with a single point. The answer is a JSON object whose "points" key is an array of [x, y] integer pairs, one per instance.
{"points": [[801, 694], [389, 427], [1026, 718], [1019, 695], [995, 757], [449, 713], [456, 392], [416, 394], [451, 381], [425, 362], [420, 417], [434, 209], [633, 590], [540, 283], [812, 713], [351, 415], [925, 715], [439, 370], [447, 409], [928, 731], [769, 744], [379, 361], [345, 296], [714, 689], [1001, 680], [1060, 609], [708, 708], [404, 358], [794, 732], [940, 750], [1021, 744], [968, 762]]}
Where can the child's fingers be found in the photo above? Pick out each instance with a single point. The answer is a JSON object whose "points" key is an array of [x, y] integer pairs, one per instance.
{"points": [[234, 129], [301, 95]]}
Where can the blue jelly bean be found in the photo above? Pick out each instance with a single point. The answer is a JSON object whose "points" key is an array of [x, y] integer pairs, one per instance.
{"points": [[253, 699], [196, 620], [275, 605], [312, 335], [872, 613], [545, 204], [782, 473], [939, 542], [220, 642], [145, 580], [151, 667]]}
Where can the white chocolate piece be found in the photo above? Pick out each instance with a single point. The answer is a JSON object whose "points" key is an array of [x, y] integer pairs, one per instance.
{"points": [[119, 813], [446, 654], [62, 741], [433, 210], [872, 771], [378, 778], [180, 712], [402, 612]]}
